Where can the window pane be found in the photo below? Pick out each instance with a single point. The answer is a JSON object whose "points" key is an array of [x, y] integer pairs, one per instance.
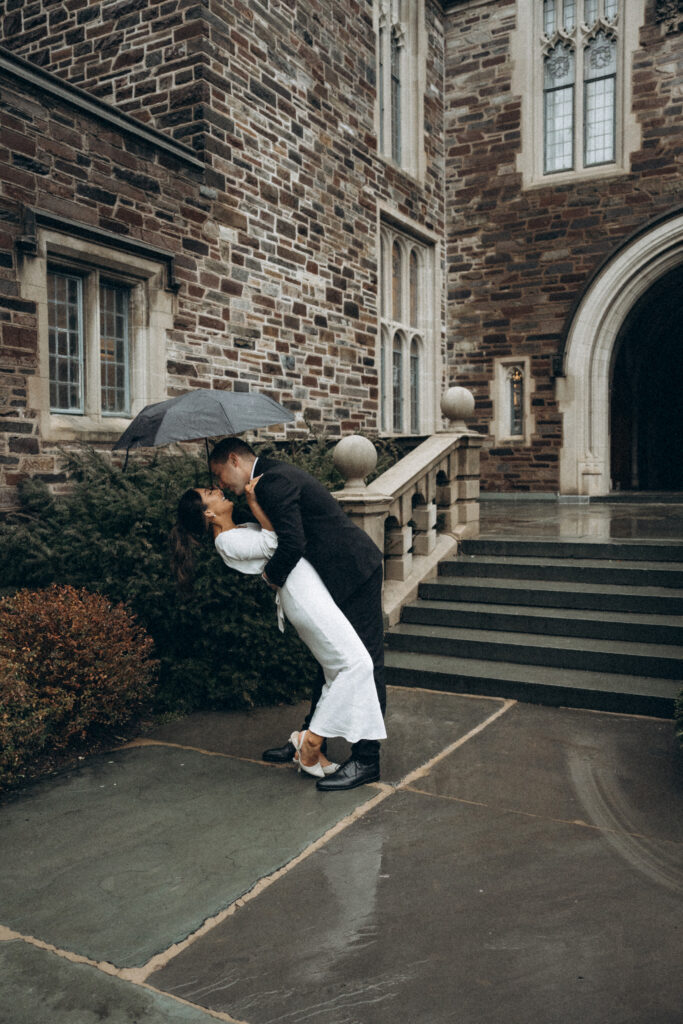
{"points": [[383, 406], [590, 11], [558, 68], [414, 387], [413, 288], [395, 99], [599, 144], [516, 398], [611, 9], [559, 130], [397, 383], [600, 58], [380, 86], [65, 334], [114, 353], [569, 14], [600, 65], [396, 303], [548, 17]]}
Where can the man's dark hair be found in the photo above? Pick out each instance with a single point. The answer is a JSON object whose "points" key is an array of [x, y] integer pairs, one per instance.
{"points": [[223, 450]]}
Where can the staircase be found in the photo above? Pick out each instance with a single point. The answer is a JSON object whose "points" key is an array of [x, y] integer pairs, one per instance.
{"points": [[576, 623]]}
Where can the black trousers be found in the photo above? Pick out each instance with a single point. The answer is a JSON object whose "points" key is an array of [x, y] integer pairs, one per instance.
{"points": [[363, 609]]}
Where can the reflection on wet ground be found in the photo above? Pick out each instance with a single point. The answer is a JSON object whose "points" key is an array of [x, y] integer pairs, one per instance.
{"points": [[616, 520]]}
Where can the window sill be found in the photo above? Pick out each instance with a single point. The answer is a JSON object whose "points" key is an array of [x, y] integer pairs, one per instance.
{"points": [[98, 429], [575, 177]]}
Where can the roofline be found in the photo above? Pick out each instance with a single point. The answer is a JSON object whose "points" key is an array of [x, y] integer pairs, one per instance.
{"points": [[48, 82]]}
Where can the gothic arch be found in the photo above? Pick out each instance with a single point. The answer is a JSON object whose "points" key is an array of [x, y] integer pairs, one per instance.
{"points": [[583, 393]]}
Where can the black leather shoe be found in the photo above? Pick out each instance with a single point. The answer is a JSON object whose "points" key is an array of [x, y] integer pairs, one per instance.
{"points": [[351, 774], [279, 755]]}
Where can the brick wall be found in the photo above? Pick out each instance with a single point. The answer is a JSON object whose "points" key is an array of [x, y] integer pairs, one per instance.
{"points": [[517, 259]]}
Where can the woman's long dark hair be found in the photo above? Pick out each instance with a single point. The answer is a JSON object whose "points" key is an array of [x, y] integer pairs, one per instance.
{"points": [[191, 527]]}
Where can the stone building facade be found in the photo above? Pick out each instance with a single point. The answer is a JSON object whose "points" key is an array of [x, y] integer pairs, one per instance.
{"points": [[345, 205]]}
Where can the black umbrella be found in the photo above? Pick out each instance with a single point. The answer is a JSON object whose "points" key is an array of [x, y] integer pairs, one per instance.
{"points": [[202, 413]]}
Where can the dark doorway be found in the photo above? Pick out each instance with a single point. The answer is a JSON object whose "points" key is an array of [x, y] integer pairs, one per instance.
{"points": [[646, 397]]}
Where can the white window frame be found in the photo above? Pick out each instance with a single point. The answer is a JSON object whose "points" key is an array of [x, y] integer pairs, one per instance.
{"points": [[150, 318], [401, 23], [529, 46], [501, 401], [421, 336]]}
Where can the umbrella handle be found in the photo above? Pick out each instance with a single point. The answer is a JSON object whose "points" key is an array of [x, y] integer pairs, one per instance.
{"points": [[208, 460]]}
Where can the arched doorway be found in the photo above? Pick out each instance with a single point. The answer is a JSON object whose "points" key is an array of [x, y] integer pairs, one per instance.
{"points": [[625, 339], [646, 399]]}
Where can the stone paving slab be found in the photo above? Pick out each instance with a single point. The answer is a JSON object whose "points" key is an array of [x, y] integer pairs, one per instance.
{"points": [[39, 987], [419, 724], [133, 852], [615, 771], [432, 910]]}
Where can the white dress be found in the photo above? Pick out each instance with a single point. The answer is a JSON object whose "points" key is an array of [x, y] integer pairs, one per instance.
{"points": [[348, 705]]}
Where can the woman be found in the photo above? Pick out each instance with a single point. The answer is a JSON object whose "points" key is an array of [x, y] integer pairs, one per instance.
{"points": [[348, 705]]}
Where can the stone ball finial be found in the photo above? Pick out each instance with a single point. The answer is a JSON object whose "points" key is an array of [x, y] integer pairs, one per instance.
{"points": [[456, 404], [355, 457]]}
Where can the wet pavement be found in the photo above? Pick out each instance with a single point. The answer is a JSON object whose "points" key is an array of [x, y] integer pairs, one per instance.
{"points": [[525, 518], [515, 864]]}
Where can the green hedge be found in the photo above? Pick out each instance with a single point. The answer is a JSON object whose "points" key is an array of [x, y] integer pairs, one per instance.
{"points": [[219, 647]]}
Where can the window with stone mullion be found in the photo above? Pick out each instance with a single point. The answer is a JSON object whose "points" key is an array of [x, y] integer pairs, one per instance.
{"points": [[402, 337], [580, 88], [79, 354]]}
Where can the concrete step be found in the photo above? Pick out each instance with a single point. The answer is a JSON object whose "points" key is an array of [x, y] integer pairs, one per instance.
{"points": [[598, 625], [633, 550], [549, 594], [613, 573], [580, 653], [627, 694]]}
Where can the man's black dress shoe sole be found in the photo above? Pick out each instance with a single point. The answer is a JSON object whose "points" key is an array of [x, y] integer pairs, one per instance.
{"points": [[279, 755], [351, 774]]}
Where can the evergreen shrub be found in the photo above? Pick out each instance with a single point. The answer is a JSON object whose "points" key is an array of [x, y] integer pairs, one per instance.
{"points": [[218, 647], [73, 668]]}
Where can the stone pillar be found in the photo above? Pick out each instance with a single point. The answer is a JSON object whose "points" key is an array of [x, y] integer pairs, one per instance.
{"points": [[458, 499], [424, 518], [398, 556], [355, 457]]}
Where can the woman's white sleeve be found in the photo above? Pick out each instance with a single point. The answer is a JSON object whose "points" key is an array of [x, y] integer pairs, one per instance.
{"points": [[246, 549]]}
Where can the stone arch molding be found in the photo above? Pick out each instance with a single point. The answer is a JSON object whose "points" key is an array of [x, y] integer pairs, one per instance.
{"points": [[583, 394]]}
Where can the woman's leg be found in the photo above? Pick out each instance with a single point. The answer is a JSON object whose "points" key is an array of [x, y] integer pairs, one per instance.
{"points": [[311, 751]]}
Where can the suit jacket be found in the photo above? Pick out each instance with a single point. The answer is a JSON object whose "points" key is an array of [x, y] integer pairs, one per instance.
{"points": [[310, 524]]}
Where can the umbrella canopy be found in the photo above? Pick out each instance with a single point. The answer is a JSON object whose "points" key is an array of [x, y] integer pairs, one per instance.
{"points": [[202, 413]]}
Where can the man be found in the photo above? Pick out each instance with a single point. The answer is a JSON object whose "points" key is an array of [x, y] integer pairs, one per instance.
{"points": [[310, 523]]}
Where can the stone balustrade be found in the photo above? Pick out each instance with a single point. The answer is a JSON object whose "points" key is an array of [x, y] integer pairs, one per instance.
{"points": [[419, 509]]}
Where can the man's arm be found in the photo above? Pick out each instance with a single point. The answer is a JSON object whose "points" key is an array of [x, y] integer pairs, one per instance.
{"points": [[279, 496]]}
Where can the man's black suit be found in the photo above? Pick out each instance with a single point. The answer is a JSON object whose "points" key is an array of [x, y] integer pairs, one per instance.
{"points": [[311, 524]]}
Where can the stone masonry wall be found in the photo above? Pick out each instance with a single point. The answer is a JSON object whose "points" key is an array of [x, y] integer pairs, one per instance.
{"points": [[517, 259], [74, 166], [276, 248]]}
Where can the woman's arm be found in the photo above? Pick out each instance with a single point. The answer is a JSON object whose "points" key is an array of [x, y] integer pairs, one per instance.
{"points": [[246, 549], [256, 510]]}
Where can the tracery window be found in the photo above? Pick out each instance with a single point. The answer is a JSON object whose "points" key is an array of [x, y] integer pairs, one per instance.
{"points": [[406, 335], [580, 46], [400, 81]]}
